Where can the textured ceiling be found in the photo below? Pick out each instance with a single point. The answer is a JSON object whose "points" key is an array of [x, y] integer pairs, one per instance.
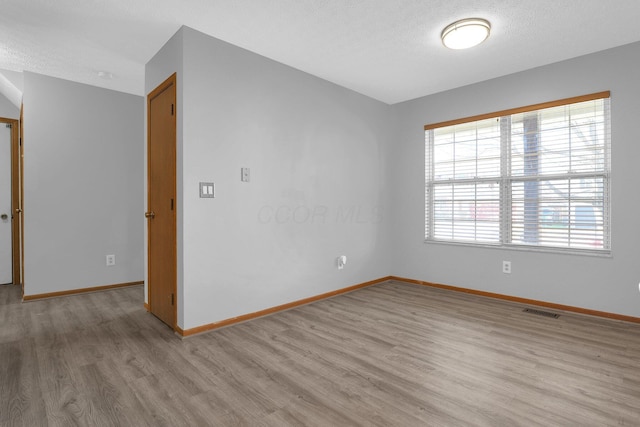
{"points": [[387, 49]]}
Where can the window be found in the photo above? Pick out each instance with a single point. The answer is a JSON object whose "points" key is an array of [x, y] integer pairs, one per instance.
{"points": [[533, 177]]}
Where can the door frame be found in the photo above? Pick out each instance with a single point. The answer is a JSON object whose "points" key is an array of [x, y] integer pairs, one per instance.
{"points": [[172, 80], [16, 198]]}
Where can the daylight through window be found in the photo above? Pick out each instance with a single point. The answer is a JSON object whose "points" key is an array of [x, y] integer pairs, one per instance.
{"points": [[535, 177]]}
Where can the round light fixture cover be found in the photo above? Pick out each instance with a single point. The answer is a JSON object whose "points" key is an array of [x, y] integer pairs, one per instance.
{"points": [[466, 33]]}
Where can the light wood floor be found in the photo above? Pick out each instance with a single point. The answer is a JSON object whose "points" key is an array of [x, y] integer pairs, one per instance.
{"points": [[394, 354]]}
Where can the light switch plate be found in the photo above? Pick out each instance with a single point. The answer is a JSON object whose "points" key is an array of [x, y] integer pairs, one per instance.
{"points": [[207, 190], [245, 174]]}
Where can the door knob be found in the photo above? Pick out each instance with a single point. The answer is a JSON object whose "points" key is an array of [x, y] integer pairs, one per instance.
{"points": [[150, 214], [18, 210], [4, 217]]}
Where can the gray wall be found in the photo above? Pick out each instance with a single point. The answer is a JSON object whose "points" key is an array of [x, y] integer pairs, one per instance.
{"points": [[333, 173], [7, 109], [319, 183], [83, 185], [16, 78], [606, 284], [11, 84]]}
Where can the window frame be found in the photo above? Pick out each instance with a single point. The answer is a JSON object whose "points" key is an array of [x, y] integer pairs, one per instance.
{"points": [[505, 220]]}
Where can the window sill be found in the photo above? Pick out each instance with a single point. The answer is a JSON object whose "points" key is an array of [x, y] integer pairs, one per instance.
{"points": [[523, 248]]}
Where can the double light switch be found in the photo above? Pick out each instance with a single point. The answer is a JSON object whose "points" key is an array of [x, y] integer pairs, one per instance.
{"points": [[207, 190]]}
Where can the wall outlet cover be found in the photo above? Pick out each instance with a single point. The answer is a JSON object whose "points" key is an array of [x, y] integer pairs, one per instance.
{"points": [[506, 267]]}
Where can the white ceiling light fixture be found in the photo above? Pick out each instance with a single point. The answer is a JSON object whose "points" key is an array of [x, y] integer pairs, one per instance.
{"points": [[466, 33]]}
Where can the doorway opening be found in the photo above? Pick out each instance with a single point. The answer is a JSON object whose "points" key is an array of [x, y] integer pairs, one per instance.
{"points": [[10, 202]]}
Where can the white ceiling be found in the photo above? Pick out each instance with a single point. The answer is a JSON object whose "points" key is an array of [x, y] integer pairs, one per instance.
{"points": [[389, 50]]}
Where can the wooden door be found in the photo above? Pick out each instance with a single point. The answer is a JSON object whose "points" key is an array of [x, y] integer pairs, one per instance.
{"points": [[161, 201]]}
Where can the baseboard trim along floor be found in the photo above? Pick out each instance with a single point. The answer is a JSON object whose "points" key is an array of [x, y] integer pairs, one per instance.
{"points": [[79, 291], [283, 307], [287, 306], [523, 300]]}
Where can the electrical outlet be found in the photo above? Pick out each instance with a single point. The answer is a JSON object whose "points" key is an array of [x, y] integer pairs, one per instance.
{"points": [[341, 261], [506, 267], [111, 260]]}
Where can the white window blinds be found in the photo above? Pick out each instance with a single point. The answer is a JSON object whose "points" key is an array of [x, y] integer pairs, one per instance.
{"points": [[536, 176]]}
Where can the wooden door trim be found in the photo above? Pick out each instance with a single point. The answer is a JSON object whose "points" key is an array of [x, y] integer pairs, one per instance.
{"points": [[21, 193], [16, 216], [16, 205], [171, 81]]}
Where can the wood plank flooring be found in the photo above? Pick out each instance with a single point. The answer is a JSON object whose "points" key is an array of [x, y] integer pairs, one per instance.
{"points": [[393, 354]]}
